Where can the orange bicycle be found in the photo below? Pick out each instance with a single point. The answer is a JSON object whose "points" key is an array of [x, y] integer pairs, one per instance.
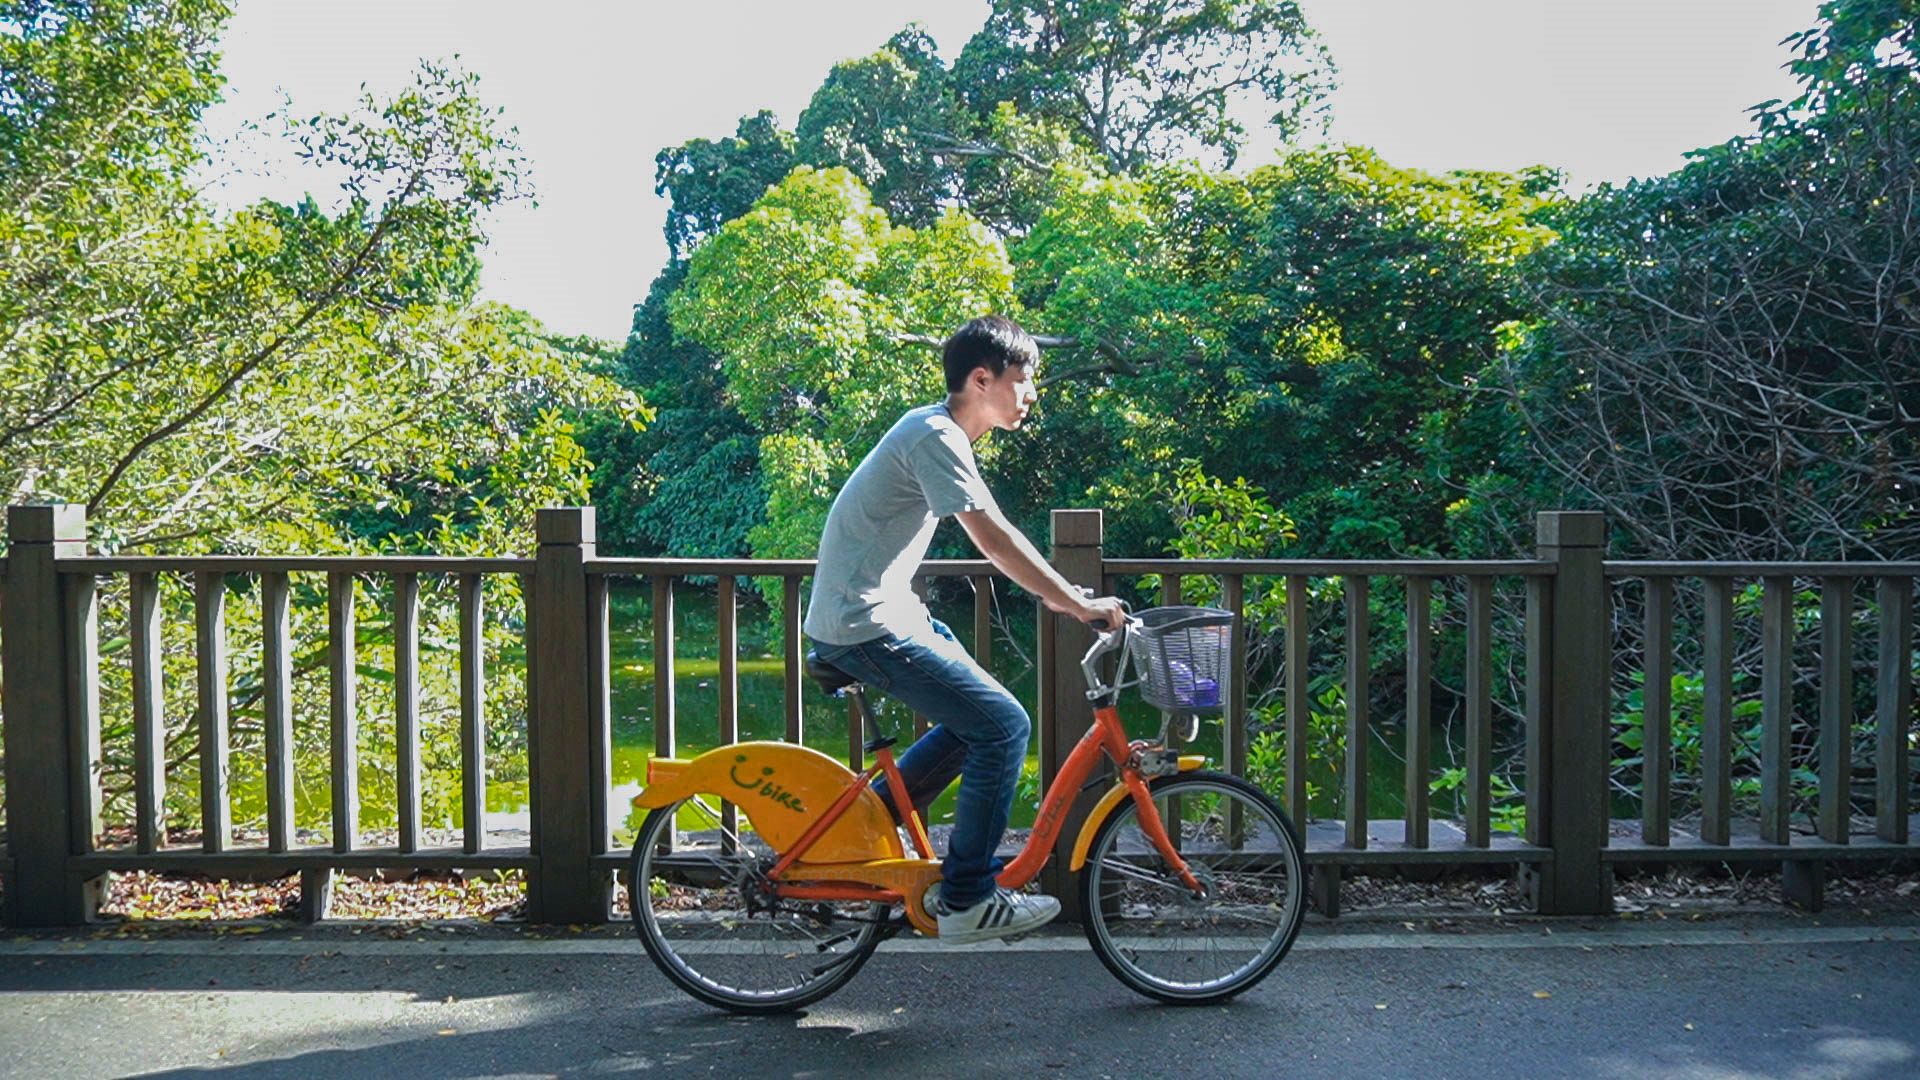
{"points": [[767, 873]]}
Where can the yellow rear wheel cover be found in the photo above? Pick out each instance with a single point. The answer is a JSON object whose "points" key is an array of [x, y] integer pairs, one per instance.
{"points": [[781, 789]]}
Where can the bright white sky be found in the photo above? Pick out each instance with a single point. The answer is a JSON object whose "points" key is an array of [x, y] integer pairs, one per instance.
{"points": [[1605, 90]]}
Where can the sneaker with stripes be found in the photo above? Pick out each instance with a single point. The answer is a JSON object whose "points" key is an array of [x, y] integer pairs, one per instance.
{"points": [[1003, 913]]}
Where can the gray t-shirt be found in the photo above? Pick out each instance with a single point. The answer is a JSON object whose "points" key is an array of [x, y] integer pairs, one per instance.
{"points": [[882, 523]]}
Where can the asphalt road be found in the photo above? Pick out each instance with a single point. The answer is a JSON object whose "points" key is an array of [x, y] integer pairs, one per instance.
{"points": [[1752, 997]]}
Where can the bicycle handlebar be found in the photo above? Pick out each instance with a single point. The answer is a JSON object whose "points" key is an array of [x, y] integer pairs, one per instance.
{"points": [[1106, 641]]}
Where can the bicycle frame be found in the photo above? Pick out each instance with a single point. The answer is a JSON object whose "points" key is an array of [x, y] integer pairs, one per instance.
{"points": [[1107, 736]]}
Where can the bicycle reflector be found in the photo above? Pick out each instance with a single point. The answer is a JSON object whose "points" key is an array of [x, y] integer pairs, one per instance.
{"points": [[1184, 657]]}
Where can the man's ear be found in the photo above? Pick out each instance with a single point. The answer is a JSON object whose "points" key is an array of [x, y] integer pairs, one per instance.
{"points": [[980, 378]]}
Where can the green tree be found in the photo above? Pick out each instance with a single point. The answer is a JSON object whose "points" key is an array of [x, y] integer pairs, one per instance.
{"points": [[1721, 357], [873, 116], [712, 181], [1148, 82], [818, 364]]}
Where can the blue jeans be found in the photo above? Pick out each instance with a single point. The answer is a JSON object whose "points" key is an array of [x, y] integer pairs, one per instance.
{"points": [[979, 734]]}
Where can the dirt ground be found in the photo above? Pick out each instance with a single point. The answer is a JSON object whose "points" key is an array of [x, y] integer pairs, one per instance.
{"points": [[139, 896]]}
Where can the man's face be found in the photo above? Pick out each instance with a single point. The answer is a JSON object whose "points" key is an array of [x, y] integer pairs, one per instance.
{"points": [[1010, 395]]}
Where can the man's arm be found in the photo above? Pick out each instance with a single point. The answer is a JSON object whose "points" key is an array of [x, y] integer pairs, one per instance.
{"points": [[1015, 556]]}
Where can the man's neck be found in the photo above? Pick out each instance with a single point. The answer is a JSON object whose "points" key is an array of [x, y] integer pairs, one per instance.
{"points": [[967, 413]]}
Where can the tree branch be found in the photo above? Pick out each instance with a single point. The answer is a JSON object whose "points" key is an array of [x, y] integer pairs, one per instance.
{"points": [[952, 146]]}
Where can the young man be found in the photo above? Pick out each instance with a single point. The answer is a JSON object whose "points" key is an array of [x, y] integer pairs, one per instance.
{"points": [[865, 619]]}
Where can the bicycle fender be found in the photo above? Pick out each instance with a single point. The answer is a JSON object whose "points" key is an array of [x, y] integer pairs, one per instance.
{"points": [[1114, 797], [782, 789]]}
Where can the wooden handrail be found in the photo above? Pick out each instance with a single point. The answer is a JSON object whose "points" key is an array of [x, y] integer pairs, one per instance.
{"points": [[1337, 567], [1614, 568], [280, 564], [782, 568]]}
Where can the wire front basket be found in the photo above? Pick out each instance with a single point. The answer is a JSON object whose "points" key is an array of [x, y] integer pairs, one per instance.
{"points": [[1184, 657]]}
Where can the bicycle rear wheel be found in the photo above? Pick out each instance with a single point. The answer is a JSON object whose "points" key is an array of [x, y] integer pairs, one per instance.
{"points": [[1149, 928], [705, 916]]}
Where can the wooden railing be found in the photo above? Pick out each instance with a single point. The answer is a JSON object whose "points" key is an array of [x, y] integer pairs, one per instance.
{"points": [[1719, 836], [51, 664]]}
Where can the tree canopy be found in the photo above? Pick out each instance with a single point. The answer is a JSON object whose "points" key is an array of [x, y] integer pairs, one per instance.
{"points": [[241, 379]]}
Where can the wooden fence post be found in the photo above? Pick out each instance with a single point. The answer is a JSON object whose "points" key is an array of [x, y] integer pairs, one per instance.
{"points": [[47, 791], [1065, 712], [1577, 751], [564, 887]]}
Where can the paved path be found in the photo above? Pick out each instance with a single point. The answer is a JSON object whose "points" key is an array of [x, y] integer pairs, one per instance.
{"points": [[1742, 997]]}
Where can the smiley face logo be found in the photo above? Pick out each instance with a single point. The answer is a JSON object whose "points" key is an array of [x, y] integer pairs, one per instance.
{"points": [[733, 772]]}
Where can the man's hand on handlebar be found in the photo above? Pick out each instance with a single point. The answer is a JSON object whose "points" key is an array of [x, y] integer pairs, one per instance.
{"points": [[1103, 613]]}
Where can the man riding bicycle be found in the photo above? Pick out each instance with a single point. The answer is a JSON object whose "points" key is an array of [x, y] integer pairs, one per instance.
{"points": [[865, 619]]}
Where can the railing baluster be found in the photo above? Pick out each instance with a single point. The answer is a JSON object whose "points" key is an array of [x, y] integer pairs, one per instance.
{"points": [[728, 617], [149, 723], [1716, 721], [83, 711], [1894, 704], [344, 716], [1357, 725], [663, 699], [1776, 707], [856, 742], [210, 632], [1656, 699], [920, 722], [1479, 711], [1233, 595], [1539, 705], [1171, 596], [1170, 809], [1419, 706], [1298, 718], [795, 667], [983, 620], [529, 636], [663, 719], [599, 717], [473, 723], [276, 640], [406, 707], [1234, 726], [1836, 708]]}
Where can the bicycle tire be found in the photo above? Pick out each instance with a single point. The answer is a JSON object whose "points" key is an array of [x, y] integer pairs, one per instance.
{"points": [[1141, 935], [690, 911]]}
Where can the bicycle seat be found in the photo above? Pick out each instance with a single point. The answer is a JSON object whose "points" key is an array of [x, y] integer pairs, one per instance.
{"points": [[830, 678]]}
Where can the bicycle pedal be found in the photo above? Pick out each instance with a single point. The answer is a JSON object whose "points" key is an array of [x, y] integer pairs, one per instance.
{"points": [[1012, 938]]}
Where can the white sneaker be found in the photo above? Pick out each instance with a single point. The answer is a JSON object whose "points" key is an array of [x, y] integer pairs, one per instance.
{"points": [[999, 915]]}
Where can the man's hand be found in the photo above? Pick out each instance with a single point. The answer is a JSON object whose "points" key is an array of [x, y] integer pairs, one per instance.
{"points": [[1102, 613]]}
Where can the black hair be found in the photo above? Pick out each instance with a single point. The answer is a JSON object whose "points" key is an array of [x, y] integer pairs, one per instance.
{"points": [[991, 342]]}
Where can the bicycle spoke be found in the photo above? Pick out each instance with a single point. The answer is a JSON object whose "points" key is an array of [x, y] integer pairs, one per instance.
{"points": [[1147, 876]]}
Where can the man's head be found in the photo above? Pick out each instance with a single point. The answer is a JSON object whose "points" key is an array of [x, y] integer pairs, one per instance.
{"points": [[990, 362], [994, 342]]}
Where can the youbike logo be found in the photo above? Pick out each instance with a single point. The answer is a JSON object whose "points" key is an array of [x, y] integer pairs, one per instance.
{"points": [[764, 785]]}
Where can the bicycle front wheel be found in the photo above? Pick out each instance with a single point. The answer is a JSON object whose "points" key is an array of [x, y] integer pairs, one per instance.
{"points": [[1161, 938], [704, 912]]}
